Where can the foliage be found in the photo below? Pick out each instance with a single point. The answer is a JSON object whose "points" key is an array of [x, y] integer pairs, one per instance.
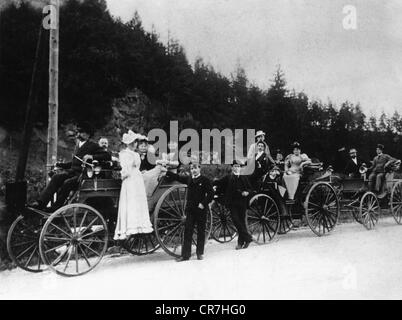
{"points": [[102, 58]]}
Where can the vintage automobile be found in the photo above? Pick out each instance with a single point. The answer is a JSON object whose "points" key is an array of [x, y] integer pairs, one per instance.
{"points": [[73, 240], [365, 206], [271, 212]]}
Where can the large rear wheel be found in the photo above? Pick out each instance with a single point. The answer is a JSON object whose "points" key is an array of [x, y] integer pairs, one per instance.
{"points": [[23, 244], [322, 208], [170, 219], [73, 240], [369, 210], [223, 229], [396, 202], [263, 218]]}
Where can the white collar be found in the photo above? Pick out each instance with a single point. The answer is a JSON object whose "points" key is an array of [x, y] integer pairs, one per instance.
{"points": [[195, 177], [81, 143]]}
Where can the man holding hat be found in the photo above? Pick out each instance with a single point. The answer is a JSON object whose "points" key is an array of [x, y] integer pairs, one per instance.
{"points": [[380, 163], [236, 191], [64, 182]]}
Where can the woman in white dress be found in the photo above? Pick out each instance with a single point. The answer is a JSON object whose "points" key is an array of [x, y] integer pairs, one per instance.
{"points": [[133, 214], [293, 167]]}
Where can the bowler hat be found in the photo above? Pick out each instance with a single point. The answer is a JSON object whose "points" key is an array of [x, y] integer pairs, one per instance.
{"points": [[86, 127]]}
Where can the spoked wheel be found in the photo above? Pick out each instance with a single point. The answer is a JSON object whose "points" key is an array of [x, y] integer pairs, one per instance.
{"points": [[322, 208], [23, 244], [223, 229], [73, 240], [170, 219], [369, 210], [396, 202], [263, 218], [141, 244]]}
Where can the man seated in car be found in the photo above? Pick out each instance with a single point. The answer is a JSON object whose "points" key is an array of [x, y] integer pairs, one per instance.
{"points": [[380, 163], [64, 182], [353, 164]]}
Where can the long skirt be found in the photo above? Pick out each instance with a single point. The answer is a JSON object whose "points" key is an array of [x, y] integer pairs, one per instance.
{"points": [[291, 183], [133, 214]]}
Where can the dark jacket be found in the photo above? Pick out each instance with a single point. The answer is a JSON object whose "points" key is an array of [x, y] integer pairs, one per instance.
{"points": [[145, 164], [353, 168], [381, 162], [233, 187], [199, 190], [262, 164], [91, 148]]}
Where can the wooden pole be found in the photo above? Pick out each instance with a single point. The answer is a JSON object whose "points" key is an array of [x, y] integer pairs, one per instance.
{"points": [[53, 88], [29, 115]]}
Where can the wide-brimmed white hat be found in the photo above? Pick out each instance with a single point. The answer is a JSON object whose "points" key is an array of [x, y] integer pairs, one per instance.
{"points": [[260, 133], [129, 137]]}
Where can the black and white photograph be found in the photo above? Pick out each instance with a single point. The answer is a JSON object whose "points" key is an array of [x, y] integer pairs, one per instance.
{"points": [[200, 150]]}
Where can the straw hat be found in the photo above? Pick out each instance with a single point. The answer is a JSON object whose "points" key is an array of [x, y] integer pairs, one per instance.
{"points": [[130, 137], [260, 133]]}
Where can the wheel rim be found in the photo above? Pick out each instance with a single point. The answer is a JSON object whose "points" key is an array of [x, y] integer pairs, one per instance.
{"points": [[322, 208], [170, 219], [23, 244], [285, 223], [263, 218], [74, 240], [369, 210], [396, 202], [141, 244], [223, 229]]}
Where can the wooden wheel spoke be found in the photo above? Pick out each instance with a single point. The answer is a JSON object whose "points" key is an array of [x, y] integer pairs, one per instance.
{"points": [[92, 233], [31, 256], [84, 255], [22, 244], [174, 215], [58, 247], [90, 249], [172, 225], [83, 219], [26, 250], [90, 225], [67, 224], [68, 258], [63, 231]]}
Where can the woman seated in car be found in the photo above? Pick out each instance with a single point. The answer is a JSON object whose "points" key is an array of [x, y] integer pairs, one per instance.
{"points": [[293, 168]]}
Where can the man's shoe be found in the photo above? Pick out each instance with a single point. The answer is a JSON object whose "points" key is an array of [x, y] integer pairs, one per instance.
{"points": [[246, 244], [200, 257], [181, 259], [239, 246]]}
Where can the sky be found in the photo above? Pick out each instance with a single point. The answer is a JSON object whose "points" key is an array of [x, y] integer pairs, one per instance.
{"points": [[306, 37]]}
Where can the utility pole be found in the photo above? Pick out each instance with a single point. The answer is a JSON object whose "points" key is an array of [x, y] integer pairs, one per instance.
{"points": [[53, 87]]}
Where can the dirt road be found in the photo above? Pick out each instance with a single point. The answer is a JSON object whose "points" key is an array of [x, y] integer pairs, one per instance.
{"points": [[351, 263]]}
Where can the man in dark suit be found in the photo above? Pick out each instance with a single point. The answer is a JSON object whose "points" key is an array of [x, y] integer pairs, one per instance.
{"points": [[353, 164], [237, 189], [199, 195], [378, 168], [63, 183]]}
